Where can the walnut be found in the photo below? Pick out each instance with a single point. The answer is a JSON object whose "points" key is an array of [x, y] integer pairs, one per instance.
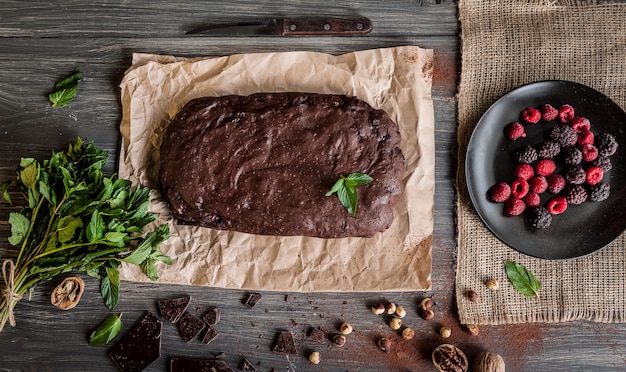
{"points": [[449, 358], [488, 362], [67, 294]]}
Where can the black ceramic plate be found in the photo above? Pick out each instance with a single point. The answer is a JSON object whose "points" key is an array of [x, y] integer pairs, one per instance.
{"points": [[582, 229]]}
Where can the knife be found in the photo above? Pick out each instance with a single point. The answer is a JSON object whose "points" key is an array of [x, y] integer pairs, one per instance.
{"points": [[289, 27]]}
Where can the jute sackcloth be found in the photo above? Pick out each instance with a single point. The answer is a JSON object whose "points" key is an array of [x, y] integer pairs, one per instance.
{"points": [[506, 44]]}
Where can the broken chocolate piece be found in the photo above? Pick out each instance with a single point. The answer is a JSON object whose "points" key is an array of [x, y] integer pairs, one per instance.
{"points": [[198, 365], [173, 309], [139, 347], [253, 299], [317, 335], [190, 326], [285, 344], [247, 366], [210, 335], [212, 317]]}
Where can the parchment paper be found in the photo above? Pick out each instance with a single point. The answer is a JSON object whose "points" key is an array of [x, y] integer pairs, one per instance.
{"points": [[397, 80]]}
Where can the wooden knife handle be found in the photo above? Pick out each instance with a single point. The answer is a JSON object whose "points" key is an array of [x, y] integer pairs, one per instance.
{"points": [[327, 26]]}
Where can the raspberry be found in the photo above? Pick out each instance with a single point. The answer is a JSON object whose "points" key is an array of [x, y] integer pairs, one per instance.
{"points": [[599, 192], [606, 144], [526, 154], [539, 217], [538, 184], [564, 135], [580, 124], [500, 192], [566, 113], [524, 171], [545, 167], [557, 205], [548, 149], [514, 131], [575, 194], [585, 138], [548, 112], [589, 152], [594, 175], [519, 188], [556, 183], [514, 207], [602, 162], [532, 199], [575, 175], [531, 115], [572, 156]]}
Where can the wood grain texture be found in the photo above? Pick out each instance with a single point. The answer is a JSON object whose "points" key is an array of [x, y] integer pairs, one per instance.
{"points": [[42, 41]]}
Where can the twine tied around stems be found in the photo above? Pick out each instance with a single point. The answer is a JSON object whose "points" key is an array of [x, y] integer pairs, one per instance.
{"points": [[8, 274]]}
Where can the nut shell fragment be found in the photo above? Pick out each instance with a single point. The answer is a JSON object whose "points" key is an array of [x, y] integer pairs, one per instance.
{"points": [[67, 294], [449, 358]]}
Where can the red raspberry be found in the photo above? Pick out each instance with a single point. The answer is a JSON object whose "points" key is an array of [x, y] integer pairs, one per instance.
{"points": [[548, 112], [524, 171], [557, 205], [500, 192], [514, 131], [590, 152], [519, 188], [566, 113], [545, 167], [585, 138], [594, 175], [531, 115], [580, 124], [532, 199], [514, 207], [556, 183], [538, 184]]}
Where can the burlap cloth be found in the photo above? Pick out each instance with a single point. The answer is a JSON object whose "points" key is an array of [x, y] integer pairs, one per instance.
{"points": [[505, 44]]}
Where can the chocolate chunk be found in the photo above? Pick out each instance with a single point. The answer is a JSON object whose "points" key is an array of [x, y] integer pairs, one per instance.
{"points": [[247, 366], [139, 347], [173, 309], [198, 365], [190, 326], [210, 335], [317, 335], [253, 299], [212, 316], [285, 344]]}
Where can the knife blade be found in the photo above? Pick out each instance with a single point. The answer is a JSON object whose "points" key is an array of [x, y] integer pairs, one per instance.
{"points": [[289, 27]]}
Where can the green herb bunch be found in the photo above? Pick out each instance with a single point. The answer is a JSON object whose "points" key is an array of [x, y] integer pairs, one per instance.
{"points": [[77, 219]]}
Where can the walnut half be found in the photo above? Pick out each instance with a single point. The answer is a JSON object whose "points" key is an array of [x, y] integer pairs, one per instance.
{"points": [[449, 358], [67, 294]]}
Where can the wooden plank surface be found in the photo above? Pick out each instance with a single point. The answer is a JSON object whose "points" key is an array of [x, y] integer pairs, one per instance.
{"points": [[41, 41]]}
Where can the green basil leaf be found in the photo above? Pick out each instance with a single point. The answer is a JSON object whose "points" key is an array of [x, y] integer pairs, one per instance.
{"points": [[95, 228], [522, 279], [19, 227], [110, 288], [106, 331], [66, 90]]}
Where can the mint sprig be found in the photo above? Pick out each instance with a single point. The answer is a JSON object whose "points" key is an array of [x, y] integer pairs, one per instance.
{"points": [[106, 331], [65, 90], [345, 187], [522, 279]]}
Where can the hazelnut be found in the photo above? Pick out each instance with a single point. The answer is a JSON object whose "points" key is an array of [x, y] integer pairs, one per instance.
{"points": [[472, 329], [390, 308], [400, 312], [489, 362], [427, 303], [384, 344], [445, 332], [472, 295], [345, 328], [492, 284], [408, 333], [395, 323], [378, 309], [315, 357], [426, 314], [339, 340]]}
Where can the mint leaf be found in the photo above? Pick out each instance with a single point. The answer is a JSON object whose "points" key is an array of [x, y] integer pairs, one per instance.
{"points": [[110, 288], [65, 90], [106, 331], [522, 279], [19, 227], [359, 178], [345, 187]]}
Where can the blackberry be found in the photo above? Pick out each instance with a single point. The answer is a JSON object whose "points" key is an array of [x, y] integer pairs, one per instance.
{"points": [[564, 135], [575, 175], [606, 144], [572, 156], [538, 217], [548, 149], [526, 155], [599, 192], [603, 163], [575, 194]]}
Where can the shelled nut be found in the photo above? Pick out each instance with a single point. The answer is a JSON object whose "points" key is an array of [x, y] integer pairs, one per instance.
{"points": [[345, 328]]}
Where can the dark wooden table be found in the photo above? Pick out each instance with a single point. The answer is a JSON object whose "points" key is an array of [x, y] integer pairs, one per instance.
{"points": [[42, 41]]}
